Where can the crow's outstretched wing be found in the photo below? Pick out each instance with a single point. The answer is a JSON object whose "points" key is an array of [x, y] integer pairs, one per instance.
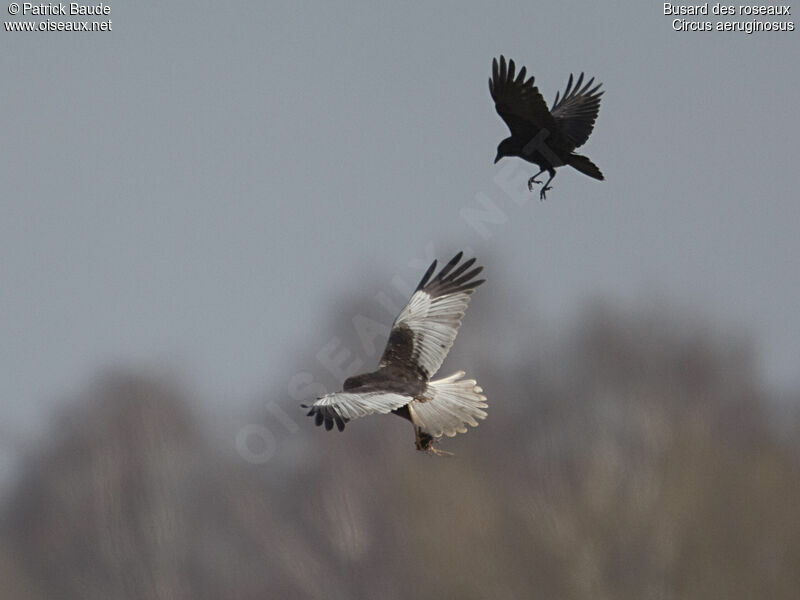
{"points": [[577, 110], [342, 407], [425, 330], [519, 102]]}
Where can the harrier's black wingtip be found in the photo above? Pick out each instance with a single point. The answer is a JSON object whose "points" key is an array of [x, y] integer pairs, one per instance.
{"points": [[452, 278], [425, 278], [448, 267], [327, 416]]}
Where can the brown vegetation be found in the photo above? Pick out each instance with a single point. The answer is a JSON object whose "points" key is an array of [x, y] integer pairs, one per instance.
{"points": [[637, 462]]}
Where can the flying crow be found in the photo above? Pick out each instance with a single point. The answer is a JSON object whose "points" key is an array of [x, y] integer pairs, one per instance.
{"points": [[418, 344], [544, 137]]}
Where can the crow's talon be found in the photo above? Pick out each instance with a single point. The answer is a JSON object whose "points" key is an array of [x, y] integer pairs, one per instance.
{"points": [[543, 193], [531, 181]]}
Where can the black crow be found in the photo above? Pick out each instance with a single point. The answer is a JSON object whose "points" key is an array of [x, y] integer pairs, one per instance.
{"points": [[544, 137]]}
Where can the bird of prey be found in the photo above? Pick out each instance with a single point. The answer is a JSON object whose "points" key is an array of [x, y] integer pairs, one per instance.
{"points": [[420, 339], [544, 137]]}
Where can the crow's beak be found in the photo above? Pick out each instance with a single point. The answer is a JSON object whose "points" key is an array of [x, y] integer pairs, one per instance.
{"points": [[496, 158]]}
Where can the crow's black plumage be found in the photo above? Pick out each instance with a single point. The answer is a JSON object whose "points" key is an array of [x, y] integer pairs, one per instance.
{"points": [[544, 137]]}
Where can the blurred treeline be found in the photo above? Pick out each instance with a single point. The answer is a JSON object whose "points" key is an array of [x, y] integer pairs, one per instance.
{"points": [[641, 458]]}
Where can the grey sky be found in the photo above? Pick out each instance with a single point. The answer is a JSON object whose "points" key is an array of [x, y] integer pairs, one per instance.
{"points": [[205, 184]]}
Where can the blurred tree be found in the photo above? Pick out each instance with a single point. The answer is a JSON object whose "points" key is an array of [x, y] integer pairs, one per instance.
{"points": [[635, 460]]}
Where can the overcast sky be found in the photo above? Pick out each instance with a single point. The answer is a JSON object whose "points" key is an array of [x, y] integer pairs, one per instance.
{"points": [[205, 185]]}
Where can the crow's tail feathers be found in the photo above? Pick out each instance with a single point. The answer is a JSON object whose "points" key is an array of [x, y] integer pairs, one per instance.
{"points": [[585, 166]]}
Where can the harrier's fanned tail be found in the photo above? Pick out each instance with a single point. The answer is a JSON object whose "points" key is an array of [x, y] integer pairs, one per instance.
{"points": [[449, 405]]}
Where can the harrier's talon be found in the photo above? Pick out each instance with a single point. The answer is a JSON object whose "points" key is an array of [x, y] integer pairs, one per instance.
{"points": [[435, 451]]}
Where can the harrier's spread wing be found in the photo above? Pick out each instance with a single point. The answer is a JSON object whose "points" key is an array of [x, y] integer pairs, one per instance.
{"points": [[577, 110], [426, 328], [519, 102], [342, 407]]}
